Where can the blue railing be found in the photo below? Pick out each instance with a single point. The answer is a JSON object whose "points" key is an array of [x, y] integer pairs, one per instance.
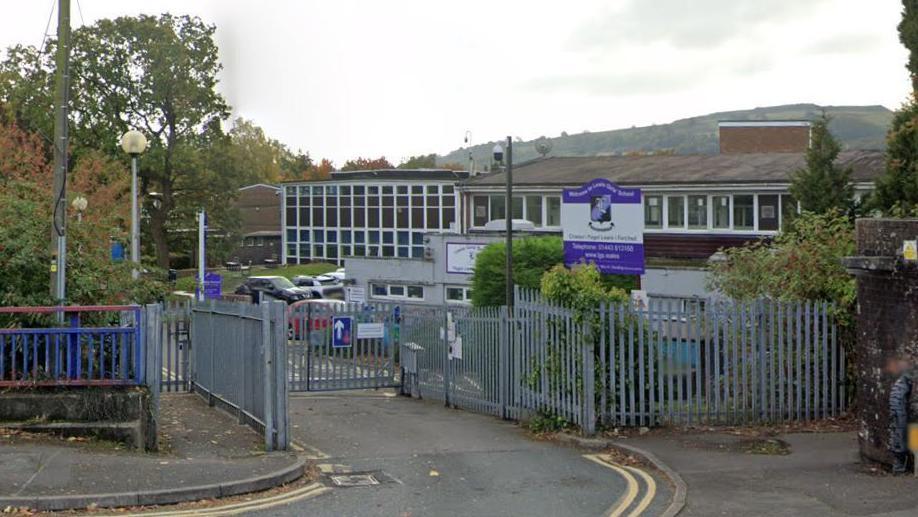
{"points": [[100, 346]]}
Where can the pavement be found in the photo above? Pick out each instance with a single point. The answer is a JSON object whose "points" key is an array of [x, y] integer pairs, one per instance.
{"points": [[804, 474], [430, 460], [205, 453]]}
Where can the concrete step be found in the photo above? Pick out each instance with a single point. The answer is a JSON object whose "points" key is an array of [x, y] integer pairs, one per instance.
{"points": [[128, 433]]}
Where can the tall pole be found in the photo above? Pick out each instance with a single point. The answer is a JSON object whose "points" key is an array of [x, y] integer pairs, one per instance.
{"points": [[509, 219], [61, 137], [135, 220], [202, 263]]}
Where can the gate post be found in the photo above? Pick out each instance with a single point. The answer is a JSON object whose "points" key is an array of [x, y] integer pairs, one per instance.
{"points": [[503, 366], [266, 353], [279, 354], [589, 380], [447, 364]]}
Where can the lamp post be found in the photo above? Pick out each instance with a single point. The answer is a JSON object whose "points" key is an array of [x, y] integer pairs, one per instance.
{"points": [[134, 143], [79, 204], [508, 216]]}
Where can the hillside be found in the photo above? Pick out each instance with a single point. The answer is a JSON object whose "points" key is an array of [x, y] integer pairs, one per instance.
{"points": [[857, 127]]}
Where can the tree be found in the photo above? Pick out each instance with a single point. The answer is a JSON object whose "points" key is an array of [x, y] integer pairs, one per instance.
{"points": [[801, 263], [366, 164], [319, 171], [896, 191], [423, 161], [155, 74], [822, 185], [259, 159], [532, 257]]}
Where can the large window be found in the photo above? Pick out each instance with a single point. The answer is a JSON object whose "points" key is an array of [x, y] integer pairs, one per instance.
{"points": [[479, 210], [720, 208], [653, 211], [744, 212], [553, 211], [534, 209], [459, 294], [698, 212], [675, 208], [768, 212], [396, 291]]}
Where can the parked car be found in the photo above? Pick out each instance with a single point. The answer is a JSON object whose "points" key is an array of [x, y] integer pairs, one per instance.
{"points": [[298, 312], [314, 281], [277, 287], [321, 286], [337, 274]]}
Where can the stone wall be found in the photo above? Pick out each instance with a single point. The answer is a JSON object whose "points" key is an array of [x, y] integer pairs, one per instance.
{"points": [[887, 323]]}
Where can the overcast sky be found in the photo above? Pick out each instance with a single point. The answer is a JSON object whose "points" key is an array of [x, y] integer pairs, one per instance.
{"points": [[348, 78]]}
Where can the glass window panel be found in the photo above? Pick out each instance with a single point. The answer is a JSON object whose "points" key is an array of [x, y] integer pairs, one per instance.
{"points": [[417, 238], [401, 189], [358, 189], [396, 290], [388, 201], [447, 189], [373, 189], [433, 218], [768, 212], [433, 200], [345, 217], [403, 238], [388, 237], [517, 207], [360, 217], [360, 251], [291, 215], [345, 190], [534, 209], [304, 217], [304, 200], [291, 250], [345, 237], [304, 235], [449, 217], [415, 291], [318, 251], [372, 251], [743, 212], [721, 211], [359, 237], [417, 217], [388, 218], [331, 216], [378, 290], [345, 251], [373, 217], [374, 237], [653, 211], [388, 251], [498, 208], [318, 236], [403, 251], [401, 217], [387, 189], [698, 212], [291, 235], [479, 210], [417, 189], [432, 189], [553, 217], [318, 217], [360, 201], [417, 252], [455, 294], [331, 252], [331, 236], [304, 250], [676, 212]]}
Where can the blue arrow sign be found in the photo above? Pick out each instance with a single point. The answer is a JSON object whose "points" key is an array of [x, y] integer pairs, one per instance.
{"points": [[341, 331]]}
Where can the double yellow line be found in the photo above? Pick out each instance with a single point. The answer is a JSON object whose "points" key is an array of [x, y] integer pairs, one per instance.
{"points": [[306, 492], [632, 490]]}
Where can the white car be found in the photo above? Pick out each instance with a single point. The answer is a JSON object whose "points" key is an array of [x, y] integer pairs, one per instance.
{"points": [[337, 274]]}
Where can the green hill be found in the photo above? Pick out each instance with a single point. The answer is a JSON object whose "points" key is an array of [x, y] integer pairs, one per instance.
{"points": [[856, 127]]}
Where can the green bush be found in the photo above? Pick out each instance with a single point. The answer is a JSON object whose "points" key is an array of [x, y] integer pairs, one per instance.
{"points": [[532, 256]]}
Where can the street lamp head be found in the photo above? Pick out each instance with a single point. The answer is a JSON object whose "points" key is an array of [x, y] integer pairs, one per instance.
{"points": [[133, 142], [498, 153], [79, 204]]}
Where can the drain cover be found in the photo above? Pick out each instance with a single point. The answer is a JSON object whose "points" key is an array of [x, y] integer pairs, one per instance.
{"points": [[354, 480]]}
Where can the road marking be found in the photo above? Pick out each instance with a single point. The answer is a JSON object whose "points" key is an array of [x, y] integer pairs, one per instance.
{"points": [[648, 496], [623, 502], [300, 494]]}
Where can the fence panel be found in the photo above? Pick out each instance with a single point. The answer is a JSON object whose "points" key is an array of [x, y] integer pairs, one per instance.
{"points": [[71, 346], [176, 346], [239, 362]]}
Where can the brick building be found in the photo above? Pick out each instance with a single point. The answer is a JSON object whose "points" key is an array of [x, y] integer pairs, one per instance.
{"points": [[259, 208], [771, 136]]}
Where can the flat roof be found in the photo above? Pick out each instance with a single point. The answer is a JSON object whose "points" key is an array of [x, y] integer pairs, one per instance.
{"points": [[764, 123], [686, 169], [390, 175]]}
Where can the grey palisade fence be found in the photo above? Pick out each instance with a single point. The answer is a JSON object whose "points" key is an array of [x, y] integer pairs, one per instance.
{"points": [[674, 361]]}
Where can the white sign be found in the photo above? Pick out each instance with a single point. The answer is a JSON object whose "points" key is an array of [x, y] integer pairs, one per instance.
{"points": [[371, 330], [455, 348], [603, 224], [639, 300], [355, 294], [460, 256]]}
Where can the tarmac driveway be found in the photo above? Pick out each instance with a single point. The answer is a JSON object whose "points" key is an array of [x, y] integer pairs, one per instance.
{"points": [[430, 460]]}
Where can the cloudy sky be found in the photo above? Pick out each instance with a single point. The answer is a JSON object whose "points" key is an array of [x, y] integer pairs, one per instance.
{"points": [[345, 78]]}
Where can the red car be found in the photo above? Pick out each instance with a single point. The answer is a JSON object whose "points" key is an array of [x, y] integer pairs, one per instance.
{"points": [[298, 311]]}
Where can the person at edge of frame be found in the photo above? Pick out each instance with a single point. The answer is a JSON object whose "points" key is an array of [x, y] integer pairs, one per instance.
{"points": [[900, 400]]}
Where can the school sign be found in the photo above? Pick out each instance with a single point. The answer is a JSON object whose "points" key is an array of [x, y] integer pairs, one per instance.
{"points": [[603, 224]]}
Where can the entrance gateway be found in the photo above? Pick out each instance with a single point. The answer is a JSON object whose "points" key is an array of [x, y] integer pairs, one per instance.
{"points": [[343, 347]]}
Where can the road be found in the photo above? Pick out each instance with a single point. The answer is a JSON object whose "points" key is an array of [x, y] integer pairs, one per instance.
{"points": [[430, 460]]}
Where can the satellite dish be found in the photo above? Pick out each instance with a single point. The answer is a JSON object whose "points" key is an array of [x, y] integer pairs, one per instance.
{"points": [[543, 146]]}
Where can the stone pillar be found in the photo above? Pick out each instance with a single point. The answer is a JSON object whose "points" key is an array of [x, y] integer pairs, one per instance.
{"points": [[887, 323]]}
